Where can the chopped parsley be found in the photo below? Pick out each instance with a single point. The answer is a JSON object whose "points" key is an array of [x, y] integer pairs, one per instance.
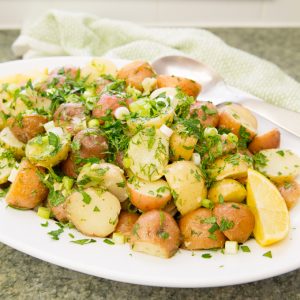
{"points": [[108, 242], [226, 224], [268, 254], [245, 248], [83, 241], [206, 255], [280, 152], [260, 160], [244, 137], [56, 233], [86, 198]]}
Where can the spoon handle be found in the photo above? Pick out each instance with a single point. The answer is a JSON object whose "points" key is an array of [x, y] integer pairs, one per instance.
{"points": [[288, 120]]}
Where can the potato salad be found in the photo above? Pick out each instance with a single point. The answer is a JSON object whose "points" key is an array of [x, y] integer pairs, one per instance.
{"points": [[135, 157]]}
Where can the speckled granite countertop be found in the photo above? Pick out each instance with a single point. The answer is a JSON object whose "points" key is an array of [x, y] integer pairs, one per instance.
{"points": [[24, 277]]}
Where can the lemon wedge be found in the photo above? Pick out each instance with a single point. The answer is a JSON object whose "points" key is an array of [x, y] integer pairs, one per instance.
{"points": [[269, 209]]}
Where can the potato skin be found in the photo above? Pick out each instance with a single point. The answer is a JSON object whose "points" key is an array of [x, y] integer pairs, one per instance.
{"points": [[97, 217], [195, 231], [27, 190], [157, 230], [135, 72], [145, 201], [28, 127], [241, 216], [59, 211], [188, 86], [106, 103], [69, 167], [233, 116], [92, 143], [65, 115], [230, 189], [126, 223], [290, 191], [206, 112], [268, 140]]}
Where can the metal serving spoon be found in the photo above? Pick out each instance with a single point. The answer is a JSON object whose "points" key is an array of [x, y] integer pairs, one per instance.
{"points": [[215, 89]]}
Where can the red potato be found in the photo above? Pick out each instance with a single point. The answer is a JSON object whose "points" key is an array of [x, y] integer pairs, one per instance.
{"points": [[126, 223], [101, 83], [233, 116], [149, 195], [188, 86], [195, 227], [70, 116], [66, 71], [108, 103], [59, 212], [69, 167], [268, 140], [290, 191], [91, 143], [134, 73], [27, 190], [236, 220], [206, 112], [155, 233], [27, 127]]}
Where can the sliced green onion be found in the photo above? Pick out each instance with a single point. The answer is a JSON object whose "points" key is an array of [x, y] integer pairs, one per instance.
{"points": [[44, 212], [118, 238], [93, 123], [67, 183], [231, 247], [245, 248]]}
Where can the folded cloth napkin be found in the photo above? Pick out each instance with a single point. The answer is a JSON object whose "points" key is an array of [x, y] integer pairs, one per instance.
{"points": [[61, 33]]}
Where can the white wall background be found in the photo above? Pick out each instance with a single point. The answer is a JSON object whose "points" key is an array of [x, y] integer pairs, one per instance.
{"points": [[210, 13]]}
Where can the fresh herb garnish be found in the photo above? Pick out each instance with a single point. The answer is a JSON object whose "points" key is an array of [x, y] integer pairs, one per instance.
{"points": [[206, 255], [245, 248], [108, 242], [268, 254], [84, 241]]}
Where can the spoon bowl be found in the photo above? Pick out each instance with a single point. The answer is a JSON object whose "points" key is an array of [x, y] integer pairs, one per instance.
{"points": [[215, 89]]}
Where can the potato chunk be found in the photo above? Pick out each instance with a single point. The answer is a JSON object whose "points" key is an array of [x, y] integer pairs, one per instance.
{"points": [[27, 190], [93, 212], [280, 165], [155, 233], [148, 152], [135, 72], [268, 140], [187, 185], [233, 116], [200, 231]]}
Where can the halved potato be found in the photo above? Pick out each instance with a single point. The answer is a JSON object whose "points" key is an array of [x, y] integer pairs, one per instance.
{"points": [[187, 185], [10, 142], [27, 190], [48, 150], [104, 175], [280, 166], [290, 191], [93, 212], [147, 195], [126, 223], [182, 145], [198, 232], [135, 72], [148, 152], [233, 116], [188, 86], [27, 127], [268, 140], [155, 233], [230, 166], [229, 189], [235, 220]]}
